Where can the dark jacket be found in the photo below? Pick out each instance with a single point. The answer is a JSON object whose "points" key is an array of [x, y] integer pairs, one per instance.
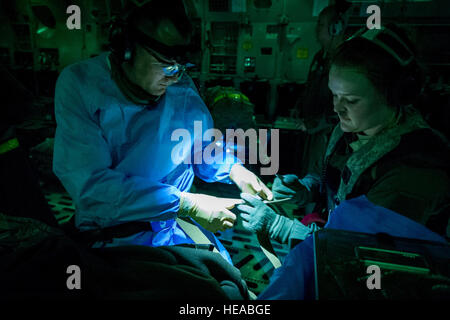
{"points": [[404, 168], [35, 258]]}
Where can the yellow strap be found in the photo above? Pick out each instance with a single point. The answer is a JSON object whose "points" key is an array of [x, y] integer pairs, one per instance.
{"points": [[199, 238], [267, 249], [9, 145], [194, 232]]}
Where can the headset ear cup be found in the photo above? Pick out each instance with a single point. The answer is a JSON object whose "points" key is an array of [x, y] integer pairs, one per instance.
{"points": [[116, 38], [336, 27], [339, 22], [120, 40], [332, 29], [406, 90], [128, 46]]}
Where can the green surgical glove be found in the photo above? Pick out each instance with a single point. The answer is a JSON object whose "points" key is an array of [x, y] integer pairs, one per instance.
{"points": [[258, 217]]}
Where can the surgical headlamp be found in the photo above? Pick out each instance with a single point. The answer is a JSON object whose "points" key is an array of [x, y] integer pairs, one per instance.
{"points": [[170, 68]]}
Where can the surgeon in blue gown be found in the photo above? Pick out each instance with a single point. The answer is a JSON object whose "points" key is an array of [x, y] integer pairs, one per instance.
{"points": [[115, 151]]}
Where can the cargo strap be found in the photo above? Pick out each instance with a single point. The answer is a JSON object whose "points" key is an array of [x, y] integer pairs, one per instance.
{"points": [[267, 249], [194, 233]]}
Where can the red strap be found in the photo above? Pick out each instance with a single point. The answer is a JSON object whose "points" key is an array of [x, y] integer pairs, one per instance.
{"points": [[313, 217]]}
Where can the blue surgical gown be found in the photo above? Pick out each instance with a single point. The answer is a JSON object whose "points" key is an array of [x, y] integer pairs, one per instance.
{"points": [[117, 159]]}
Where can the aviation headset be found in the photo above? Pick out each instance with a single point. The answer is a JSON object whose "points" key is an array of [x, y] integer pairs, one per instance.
{"points": [[408, 84], [338, 22], [123, 37], [121, 43]]}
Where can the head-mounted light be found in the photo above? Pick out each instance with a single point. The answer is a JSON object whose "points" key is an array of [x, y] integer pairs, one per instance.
{"points": [[170, 67], [175, 70]]}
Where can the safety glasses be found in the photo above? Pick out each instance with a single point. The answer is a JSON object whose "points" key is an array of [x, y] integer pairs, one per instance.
{"points": [[174, 70]]}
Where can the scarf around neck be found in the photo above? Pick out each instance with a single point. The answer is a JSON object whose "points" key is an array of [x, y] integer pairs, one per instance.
{"points": [[132, 92]]}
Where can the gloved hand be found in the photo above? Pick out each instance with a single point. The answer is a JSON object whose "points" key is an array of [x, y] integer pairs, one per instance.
{"points": [[248, 182], [210, 212], [290, 186], [258, 217], [286, 186]]}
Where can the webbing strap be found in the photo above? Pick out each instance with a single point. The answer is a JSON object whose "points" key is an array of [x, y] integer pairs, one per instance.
{"points": [[199, 238], [267, 249], [194, 233]]}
